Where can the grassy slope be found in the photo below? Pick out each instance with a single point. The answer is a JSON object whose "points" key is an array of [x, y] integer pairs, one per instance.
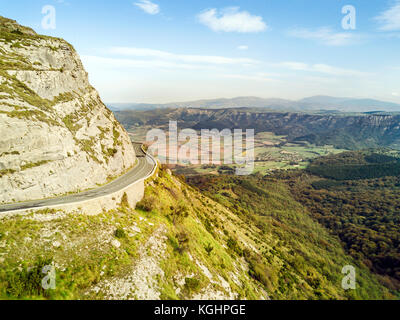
{"points": [[209, 251], [85, 256]]}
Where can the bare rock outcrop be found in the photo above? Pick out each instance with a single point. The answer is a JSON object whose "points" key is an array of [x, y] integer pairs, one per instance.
{"points": [[56, 135]]}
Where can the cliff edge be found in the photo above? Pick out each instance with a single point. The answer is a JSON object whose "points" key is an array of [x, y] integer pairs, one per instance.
{"points": [[56, 135]]}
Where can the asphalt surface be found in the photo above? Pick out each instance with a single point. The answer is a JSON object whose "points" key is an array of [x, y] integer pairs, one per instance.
{"points": [[142, 170]]}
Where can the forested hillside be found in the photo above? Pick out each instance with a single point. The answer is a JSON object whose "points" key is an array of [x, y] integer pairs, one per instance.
{"points": [[298, 252], [356, 196]]}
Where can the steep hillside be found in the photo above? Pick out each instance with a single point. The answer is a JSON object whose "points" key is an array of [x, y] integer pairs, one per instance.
{"points": [[342, 131], [297, 257], [165, 249], [355, 196], [56, 135], [180, 244]]}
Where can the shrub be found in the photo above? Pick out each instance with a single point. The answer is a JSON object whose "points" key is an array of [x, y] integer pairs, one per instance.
{"points": [[120, 233], [179, 213], [192, 284], [259, 272], [183, 241], [148, 204], [209, 248], [111, 152], [234, 246], [124, 201]]}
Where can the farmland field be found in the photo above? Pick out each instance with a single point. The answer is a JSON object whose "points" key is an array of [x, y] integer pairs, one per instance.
{"points": [[272, 152]]}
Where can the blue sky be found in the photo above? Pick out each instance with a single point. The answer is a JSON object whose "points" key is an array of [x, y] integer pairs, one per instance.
{"points": [[178, 50]]}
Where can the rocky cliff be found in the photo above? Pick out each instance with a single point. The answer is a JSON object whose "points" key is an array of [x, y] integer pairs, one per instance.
{"points": [[56, 135]]}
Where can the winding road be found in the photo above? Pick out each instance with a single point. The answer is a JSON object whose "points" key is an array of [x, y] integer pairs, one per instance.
{"points": [[143, 170]]}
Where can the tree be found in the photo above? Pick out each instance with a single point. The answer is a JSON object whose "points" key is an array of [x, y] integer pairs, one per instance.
{"points": [[179, 213]]}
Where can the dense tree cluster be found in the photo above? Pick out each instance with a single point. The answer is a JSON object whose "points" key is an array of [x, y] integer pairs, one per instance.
{"points": [[355, 165], [301, 242], [355, 195], [364, 213]]}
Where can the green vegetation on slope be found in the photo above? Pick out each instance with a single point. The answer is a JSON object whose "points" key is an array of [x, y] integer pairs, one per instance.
{"points": [[298, 259], [259, 244], [364, 213], [355, 166], [195, 262]]}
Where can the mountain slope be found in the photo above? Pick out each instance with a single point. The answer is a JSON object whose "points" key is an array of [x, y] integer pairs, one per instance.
{"points": [[181, 244], [56, 135], [161, 250], [297, 257]]}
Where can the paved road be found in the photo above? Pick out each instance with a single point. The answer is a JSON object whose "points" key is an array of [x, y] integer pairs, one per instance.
{"points": [[142, 170]]}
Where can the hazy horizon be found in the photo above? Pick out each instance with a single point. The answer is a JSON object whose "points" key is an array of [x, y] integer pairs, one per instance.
{"points": [[256, 97]]}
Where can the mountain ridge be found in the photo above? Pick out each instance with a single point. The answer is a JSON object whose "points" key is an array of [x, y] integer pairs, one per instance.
{"points": [[314, 103], [342, 131]]}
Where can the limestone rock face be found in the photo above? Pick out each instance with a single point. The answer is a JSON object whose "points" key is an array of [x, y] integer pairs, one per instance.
{"points": [[56, 135]]}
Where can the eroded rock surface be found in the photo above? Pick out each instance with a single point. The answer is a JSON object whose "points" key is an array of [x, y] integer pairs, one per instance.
{"points": [[56, 135]]}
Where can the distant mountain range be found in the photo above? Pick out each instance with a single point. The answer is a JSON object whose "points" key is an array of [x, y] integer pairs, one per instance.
{"points": [[316, 103], [344, 131]]}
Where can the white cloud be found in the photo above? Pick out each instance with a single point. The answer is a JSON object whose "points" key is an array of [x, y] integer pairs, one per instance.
{"points": [[327, 69], [164, 55], [390, 19], [299, 66], [131, 63], [321, 68], [326, 36], [243, 48], [395, 94], [232, 20], [148, 6], [256, 77]]}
